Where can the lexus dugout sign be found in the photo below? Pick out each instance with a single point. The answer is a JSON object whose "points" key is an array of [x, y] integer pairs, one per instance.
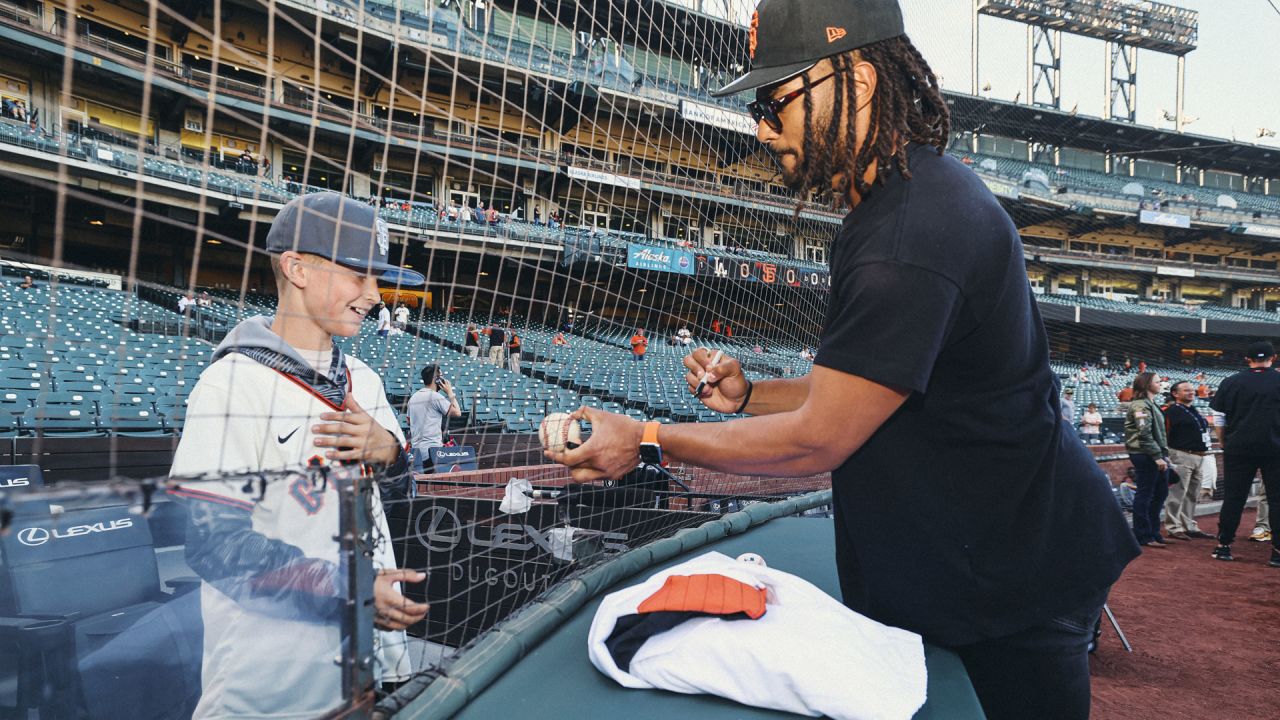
{"points": [[483, 564]]}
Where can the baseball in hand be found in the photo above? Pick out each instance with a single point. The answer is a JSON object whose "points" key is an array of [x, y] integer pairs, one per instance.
{"points": [[559, 432]]}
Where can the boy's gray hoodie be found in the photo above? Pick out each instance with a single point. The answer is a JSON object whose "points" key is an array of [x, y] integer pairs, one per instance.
{"points": [[254, 339]]}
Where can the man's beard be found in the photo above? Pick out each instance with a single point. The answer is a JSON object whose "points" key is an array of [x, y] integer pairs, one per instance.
{"points": [[793, 179]]}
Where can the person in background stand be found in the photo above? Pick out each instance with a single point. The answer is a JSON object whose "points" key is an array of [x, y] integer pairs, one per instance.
{"points": [[1091, 422], [1251, 402], [1068, 405], [472, 344], [384, 320], [1190, 439], [497, 344], [1144, 438], [639, 344], [428, 409], [513, 350]]}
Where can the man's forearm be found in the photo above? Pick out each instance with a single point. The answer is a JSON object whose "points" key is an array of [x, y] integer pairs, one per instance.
{"points": [[773, 446], [769, 397]]}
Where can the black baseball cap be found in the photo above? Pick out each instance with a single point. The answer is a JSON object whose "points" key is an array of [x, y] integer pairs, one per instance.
{"points": [[787, 37], [340, 229], [1260, 351]]}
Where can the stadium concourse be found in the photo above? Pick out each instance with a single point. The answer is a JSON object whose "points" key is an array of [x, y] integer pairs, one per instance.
{"points": [[559, 172]]}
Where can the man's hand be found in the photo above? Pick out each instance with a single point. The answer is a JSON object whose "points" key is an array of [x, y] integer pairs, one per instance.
{"points": [[613, 450], [394, 610], [726, 386], [447, 387], [1162, 464], [354, 436]]}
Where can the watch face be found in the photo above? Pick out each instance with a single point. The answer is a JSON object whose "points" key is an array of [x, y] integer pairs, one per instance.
{"points": [[651, 454]]}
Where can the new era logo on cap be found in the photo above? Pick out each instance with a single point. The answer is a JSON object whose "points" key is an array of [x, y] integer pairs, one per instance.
{"points": [[786, 37]]}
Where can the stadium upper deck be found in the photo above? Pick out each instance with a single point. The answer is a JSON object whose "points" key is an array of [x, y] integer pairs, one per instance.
{"points": [[537, 113]]}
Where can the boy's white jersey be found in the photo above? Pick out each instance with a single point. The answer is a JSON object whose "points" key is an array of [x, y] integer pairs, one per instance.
{"points": [[243, 416]]}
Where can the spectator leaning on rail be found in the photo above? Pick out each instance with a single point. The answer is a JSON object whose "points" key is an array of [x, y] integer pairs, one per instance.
{"points": [[1144, 438], [1190, 439], [1251, 443], [1091, 421]]}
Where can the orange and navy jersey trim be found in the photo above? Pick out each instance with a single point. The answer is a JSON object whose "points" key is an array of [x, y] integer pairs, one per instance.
{"points": [[201, 495], [312, 390]]}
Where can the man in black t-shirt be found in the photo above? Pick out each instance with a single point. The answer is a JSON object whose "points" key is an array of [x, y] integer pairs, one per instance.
{"points": [[1251, 443], [966, 509]]}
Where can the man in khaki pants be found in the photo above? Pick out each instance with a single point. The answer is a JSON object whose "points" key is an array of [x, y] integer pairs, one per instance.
{"points": [[1189, 443]]}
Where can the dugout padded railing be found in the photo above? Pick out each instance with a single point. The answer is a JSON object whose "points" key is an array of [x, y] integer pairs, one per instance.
{"points": [[447, 689]]}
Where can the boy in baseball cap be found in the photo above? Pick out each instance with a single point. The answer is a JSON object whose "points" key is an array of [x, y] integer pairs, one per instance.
{"points": [[280, 396]]}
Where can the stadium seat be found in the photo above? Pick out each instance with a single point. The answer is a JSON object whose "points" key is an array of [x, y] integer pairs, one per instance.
{"points": [[80, 614], [60, 419], [132, 419]]}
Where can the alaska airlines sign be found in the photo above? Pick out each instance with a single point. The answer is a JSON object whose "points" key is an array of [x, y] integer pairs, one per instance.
{"points": [[648, 257]]}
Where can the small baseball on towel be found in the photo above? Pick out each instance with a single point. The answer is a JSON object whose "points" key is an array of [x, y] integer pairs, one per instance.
{"points": [[559, 432], [752, 558]]}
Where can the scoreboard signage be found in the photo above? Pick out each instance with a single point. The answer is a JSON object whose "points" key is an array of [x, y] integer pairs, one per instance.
{"points": [[661, 259], [762, 271]]}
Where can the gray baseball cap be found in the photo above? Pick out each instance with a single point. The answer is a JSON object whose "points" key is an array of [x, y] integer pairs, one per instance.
{"points": [[340, 229], [787, 37]]}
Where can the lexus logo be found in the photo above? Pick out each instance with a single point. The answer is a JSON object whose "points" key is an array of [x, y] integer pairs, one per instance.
{"points": [[33, 536], [439, 529]]}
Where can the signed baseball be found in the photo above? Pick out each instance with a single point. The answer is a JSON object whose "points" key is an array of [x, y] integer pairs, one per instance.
{"points": [[560, 432]]}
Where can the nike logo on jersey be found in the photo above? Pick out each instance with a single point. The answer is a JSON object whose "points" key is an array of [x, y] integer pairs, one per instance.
{"points": [[282, 439]]}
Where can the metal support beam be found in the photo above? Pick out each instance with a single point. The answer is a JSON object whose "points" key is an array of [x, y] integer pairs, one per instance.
{"points": [[973, 51], [1122, 82], [1182, 89], [1044, 67]]}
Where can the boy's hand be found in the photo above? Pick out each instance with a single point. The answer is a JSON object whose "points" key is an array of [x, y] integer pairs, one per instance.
{"points": [[355, 437], [394, 610]]}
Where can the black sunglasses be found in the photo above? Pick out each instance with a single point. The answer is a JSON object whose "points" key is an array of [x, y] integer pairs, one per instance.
{"points": [[766, 109]]}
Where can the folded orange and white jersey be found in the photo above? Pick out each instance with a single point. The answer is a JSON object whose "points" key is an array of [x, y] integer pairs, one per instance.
{"points": [[760, 636]]}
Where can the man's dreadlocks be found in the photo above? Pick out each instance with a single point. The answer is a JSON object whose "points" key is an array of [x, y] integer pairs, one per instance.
{"points": [[907, 107]]}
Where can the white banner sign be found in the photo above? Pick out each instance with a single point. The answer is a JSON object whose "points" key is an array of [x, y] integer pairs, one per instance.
{"points": [[597, 176], [1270, 231], [717, 117], [1153, 217], [1177, 271]]}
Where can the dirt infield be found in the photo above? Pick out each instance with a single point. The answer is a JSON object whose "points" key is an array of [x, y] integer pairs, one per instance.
{"points": [[1205, 635]]}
